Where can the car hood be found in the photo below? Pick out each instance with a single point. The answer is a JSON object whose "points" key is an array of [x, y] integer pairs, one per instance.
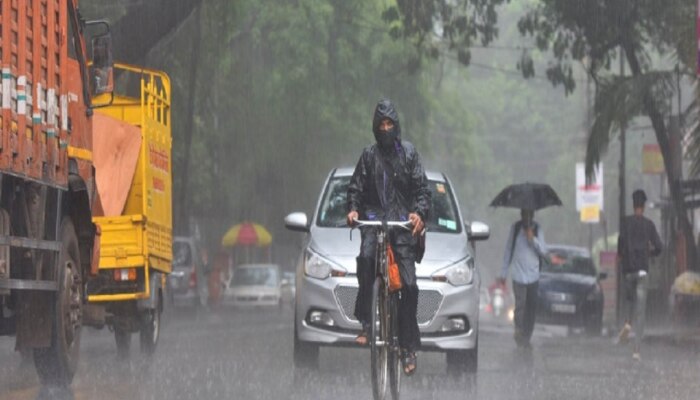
{"points": [[441, 249], [566, 283]]}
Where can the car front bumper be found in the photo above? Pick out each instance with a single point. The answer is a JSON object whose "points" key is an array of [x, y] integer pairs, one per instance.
{"points": [[438, 302]]}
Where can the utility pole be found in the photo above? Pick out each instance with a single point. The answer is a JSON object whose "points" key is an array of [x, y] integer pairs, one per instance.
{"points": [[618, 274], [589, 118]]}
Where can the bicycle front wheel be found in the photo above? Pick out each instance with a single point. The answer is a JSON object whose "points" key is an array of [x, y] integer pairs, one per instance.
{"points": [[379, 340], [394, 350]]}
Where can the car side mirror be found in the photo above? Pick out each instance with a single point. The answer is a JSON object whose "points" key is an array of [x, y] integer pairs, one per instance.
{"points": [[297, 221], [602, 275], [478, 231]]}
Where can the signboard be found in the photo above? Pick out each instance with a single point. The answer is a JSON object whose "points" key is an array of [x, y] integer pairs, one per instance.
{"points": [[652, 160], [590, 214], [590, 194]]}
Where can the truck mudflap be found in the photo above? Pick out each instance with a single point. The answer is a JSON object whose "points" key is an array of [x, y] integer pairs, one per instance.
{"points": [[156, 287]]}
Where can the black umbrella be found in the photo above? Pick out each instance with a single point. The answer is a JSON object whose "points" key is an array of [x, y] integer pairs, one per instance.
{"points": [[530, 196]]}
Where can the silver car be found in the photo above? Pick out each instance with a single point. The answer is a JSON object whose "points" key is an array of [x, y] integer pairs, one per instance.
{"points": [[326, 284], [186, 281]]}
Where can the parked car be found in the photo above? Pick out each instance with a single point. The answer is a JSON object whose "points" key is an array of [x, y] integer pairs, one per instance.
{"points": [[188, 265], [569, 293], [253, 285], [448, 282]]}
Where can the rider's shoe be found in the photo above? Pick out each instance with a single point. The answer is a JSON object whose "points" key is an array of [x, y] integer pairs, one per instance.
{"points": [[362, 337], [409, 362]]}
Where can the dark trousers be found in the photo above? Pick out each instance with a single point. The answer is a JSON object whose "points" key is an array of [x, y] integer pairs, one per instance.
{"points": [[409, 335], [525, 309]]}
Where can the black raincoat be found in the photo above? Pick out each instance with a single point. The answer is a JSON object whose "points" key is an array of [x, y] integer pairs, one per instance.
{"points": [[389, 181]]}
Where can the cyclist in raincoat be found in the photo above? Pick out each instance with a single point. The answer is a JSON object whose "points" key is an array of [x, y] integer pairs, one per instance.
{"points": [[389, 182]]}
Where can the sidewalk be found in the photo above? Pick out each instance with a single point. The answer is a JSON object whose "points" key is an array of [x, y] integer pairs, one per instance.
{"points": [[677, 336]]}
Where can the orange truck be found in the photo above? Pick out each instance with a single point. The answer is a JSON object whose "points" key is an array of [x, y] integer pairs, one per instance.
{"points": [[48, 241]]}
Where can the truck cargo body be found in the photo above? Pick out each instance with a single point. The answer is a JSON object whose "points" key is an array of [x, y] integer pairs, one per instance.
{"points": [[135, 241]]}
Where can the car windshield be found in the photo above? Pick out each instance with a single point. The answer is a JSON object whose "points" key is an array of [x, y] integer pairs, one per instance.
{"points": [[255, 276], [182, 255], [443, 213], [573, 263]]}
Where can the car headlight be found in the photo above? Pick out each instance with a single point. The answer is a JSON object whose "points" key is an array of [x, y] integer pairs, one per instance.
{"points": [[320, 268], [458, 274]]}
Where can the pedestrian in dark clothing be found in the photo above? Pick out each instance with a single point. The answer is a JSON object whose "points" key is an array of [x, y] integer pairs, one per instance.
{"points": [[389, 183], [524, 252], [638, 241]]}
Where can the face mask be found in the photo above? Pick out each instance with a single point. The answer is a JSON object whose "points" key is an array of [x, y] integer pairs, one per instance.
{"points": [[386, 139]]}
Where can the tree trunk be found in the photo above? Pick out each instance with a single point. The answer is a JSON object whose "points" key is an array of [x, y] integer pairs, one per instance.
{"points": [[182, 224], [662, 138]]}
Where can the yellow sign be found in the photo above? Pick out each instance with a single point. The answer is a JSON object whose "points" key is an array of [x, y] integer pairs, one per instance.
{"points": [[590, 214], [652, 160]]}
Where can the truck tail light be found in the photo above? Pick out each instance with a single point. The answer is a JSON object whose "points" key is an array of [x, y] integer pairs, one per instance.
{"points": [[125, 274]]}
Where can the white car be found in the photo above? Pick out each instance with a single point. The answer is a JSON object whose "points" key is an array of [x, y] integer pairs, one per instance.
{"points": [[253, 285]]}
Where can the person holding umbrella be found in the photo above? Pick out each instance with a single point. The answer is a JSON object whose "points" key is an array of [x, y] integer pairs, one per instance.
{"points": [[525, 249]]}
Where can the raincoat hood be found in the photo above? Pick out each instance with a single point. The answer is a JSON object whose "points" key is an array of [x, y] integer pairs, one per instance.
{"points": [[385, 109]]}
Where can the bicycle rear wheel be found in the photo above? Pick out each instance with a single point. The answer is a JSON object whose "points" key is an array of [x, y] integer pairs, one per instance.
{"points": [[379, 339], [394, 350]]}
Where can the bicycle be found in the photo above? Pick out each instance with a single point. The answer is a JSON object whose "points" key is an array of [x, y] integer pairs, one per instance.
{"points": [[384, 328]]}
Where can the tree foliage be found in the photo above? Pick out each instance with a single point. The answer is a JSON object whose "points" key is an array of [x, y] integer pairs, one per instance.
{"points": [[592, 32], [439, 26], [285, 92]]}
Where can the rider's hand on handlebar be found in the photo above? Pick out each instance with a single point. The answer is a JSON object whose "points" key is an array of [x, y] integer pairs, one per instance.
{"points": [[352, 216], [417, 223]]}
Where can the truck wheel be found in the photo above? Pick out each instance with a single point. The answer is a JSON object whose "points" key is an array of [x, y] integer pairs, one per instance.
{"points": [[150, 328], [123, 339], [56, 364]]}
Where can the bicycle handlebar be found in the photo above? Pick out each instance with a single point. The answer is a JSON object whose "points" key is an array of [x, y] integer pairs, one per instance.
{"points": [[402, 224]]}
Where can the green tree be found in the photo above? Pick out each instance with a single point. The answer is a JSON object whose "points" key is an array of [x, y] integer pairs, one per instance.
{"points": [[591, 32], [285, 92]]}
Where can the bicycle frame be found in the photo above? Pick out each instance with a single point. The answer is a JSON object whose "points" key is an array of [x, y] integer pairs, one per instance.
{"points": [[384, 341]]}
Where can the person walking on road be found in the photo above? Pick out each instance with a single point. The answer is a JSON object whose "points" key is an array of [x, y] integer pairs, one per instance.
{"points": [[525, 249], [638, 241], [389, 182]]}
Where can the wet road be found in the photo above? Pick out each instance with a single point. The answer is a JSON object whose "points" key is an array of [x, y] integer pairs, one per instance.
{"points": [[248, 355]]}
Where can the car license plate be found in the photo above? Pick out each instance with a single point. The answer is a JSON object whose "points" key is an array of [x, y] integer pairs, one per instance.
{"points": [[564, 308]]}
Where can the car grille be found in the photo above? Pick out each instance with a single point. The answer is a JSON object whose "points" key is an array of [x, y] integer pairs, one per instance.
{"points": [[428, 303]]}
